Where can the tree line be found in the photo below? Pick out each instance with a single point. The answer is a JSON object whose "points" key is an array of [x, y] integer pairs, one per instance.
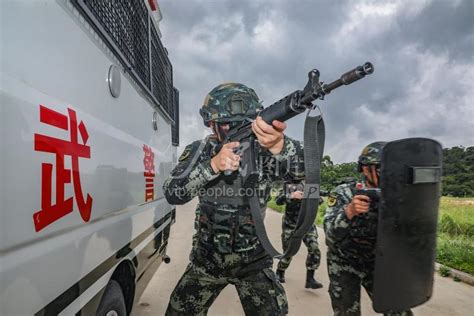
{"points": [[458, 172]]}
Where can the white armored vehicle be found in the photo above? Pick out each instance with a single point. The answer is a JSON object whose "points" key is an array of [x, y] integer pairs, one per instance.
{"points": [[88, 134]]}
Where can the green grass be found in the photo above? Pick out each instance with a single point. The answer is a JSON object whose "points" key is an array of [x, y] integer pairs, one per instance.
{"points": [[455, 231], [457, 216], [456, 252], [444, 271], [456, 234], [271, 204]]}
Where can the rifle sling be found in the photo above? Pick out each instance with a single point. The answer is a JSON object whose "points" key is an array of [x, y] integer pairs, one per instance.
{"points": [[314, 137]]}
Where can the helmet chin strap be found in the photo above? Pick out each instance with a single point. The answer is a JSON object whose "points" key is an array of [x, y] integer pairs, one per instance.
{"points": [[219, 131]]}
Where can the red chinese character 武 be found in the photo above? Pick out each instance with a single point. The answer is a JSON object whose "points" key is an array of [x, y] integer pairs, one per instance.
{"points": [[61, 148], [149, 163]]}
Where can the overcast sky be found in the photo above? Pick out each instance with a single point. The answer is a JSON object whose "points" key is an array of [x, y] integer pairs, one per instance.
{"points": [[423, 52]]}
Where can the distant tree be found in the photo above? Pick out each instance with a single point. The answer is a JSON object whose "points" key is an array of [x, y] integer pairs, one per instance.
{"points": [[458, 171], [332, 174]]}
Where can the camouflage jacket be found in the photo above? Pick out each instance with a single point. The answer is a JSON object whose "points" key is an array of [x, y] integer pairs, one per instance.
{"points": [[345, 237], [292, 207], [227, 227]]}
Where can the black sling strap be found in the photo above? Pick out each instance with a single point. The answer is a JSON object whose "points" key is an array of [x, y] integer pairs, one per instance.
{"points": [[314, 137]]}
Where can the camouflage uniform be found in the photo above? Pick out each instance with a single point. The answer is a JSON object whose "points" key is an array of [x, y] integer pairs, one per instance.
{"points": [[351, 248], [288, 227], [226, 249]]}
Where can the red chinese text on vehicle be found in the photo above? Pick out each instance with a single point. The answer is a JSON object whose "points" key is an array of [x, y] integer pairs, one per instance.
{"points": [[49, 213], [149, 163]]}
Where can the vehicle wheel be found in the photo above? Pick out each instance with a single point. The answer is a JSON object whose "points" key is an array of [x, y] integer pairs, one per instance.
{"points": [[113, 302]]}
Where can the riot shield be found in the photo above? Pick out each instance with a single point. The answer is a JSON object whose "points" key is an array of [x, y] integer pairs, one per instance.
{"points": [[410, 181]]}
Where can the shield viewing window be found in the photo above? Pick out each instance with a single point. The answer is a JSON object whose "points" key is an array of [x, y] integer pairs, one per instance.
{"points": [[425, 175]]}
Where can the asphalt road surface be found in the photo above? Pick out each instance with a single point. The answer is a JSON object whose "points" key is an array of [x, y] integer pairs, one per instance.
{"points": [[449, 298]]}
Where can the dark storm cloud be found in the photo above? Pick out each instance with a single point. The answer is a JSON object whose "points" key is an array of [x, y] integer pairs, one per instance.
{"points": [[443, 26], [422, 52]]}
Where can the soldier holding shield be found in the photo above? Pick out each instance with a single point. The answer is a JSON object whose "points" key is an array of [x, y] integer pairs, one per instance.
{"points": [[350, 225]]}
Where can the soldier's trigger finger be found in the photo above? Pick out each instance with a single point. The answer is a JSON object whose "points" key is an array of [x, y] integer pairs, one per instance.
{"points": [[239, 150], [362, 210], [232, 145], [228, 152], [360, 204], [362, 198]]}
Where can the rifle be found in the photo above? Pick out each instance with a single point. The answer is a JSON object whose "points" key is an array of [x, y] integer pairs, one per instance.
{"points": [[291, 105]]}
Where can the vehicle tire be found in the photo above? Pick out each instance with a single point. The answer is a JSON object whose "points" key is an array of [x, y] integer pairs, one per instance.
{"points": [[113, 302]]}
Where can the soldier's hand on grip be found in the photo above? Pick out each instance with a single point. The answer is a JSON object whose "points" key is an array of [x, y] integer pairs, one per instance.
{"points": [[269, 136], [297, 195], [226, 159], [359, 205]]}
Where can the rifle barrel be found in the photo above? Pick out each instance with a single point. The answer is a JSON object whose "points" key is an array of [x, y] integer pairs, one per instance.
{"points": [[297, 102], [349, 77]]}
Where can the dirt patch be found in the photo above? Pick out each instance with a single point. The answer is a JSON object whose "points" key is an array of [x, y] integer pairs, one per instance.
{"points": [[460, 201]]}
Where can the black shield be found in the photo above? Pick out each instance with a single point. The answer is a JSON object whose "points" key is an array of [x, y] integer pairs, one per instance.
{"points": [[410, 180]]}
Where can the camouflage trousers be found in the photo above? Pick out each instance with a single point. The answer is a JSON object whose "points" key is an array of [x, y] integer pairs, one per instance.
{"points": [[209, 272], [346, 277], [310, 240]]}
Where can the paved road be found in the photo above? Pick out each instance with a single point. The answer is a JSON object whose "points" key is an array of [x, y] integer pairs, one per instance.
{"points": [[450, 298]]}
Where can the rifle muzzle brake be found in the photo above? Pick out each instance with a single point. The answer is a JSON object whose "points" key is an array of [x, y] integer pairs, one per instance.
{"points": [[368, 68], [357, 73]]}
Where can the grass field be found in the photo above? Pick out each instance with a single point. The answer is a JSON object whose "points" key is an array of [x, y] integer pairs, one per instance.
{"points": [[455, 231]]}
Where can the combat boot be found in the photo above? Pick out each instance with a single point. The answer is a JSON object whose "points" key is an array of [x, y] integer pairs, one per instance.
{"points": [[311, 282], [280, 275]]}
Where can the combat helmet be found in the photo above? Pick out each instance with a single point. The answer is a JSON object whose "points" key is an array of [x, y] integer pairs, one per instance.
{"points": [[371, 155], [230, 102]]}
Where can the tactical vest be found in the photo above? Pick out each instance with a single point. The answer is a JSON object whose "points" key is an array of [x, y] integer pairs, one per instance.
{"points": [[225, 222], [362, 236]]}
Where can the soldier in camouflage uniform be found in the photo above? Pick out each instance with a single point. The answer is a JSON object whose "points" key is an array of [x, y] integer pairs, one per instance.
{"points": [[291, 196], [350, 225], [226, 248]]}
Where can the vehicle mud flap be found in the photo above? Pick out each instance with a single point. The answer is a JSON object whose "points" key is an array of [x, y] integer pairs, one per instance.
{"points": [[410, 181]]}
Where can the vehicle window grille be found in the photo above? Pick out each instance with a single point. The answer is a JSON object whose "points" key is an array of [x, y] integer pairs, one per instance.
{"points": [[125, 27], [162, 74], [126, 23], [175, 125]]}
